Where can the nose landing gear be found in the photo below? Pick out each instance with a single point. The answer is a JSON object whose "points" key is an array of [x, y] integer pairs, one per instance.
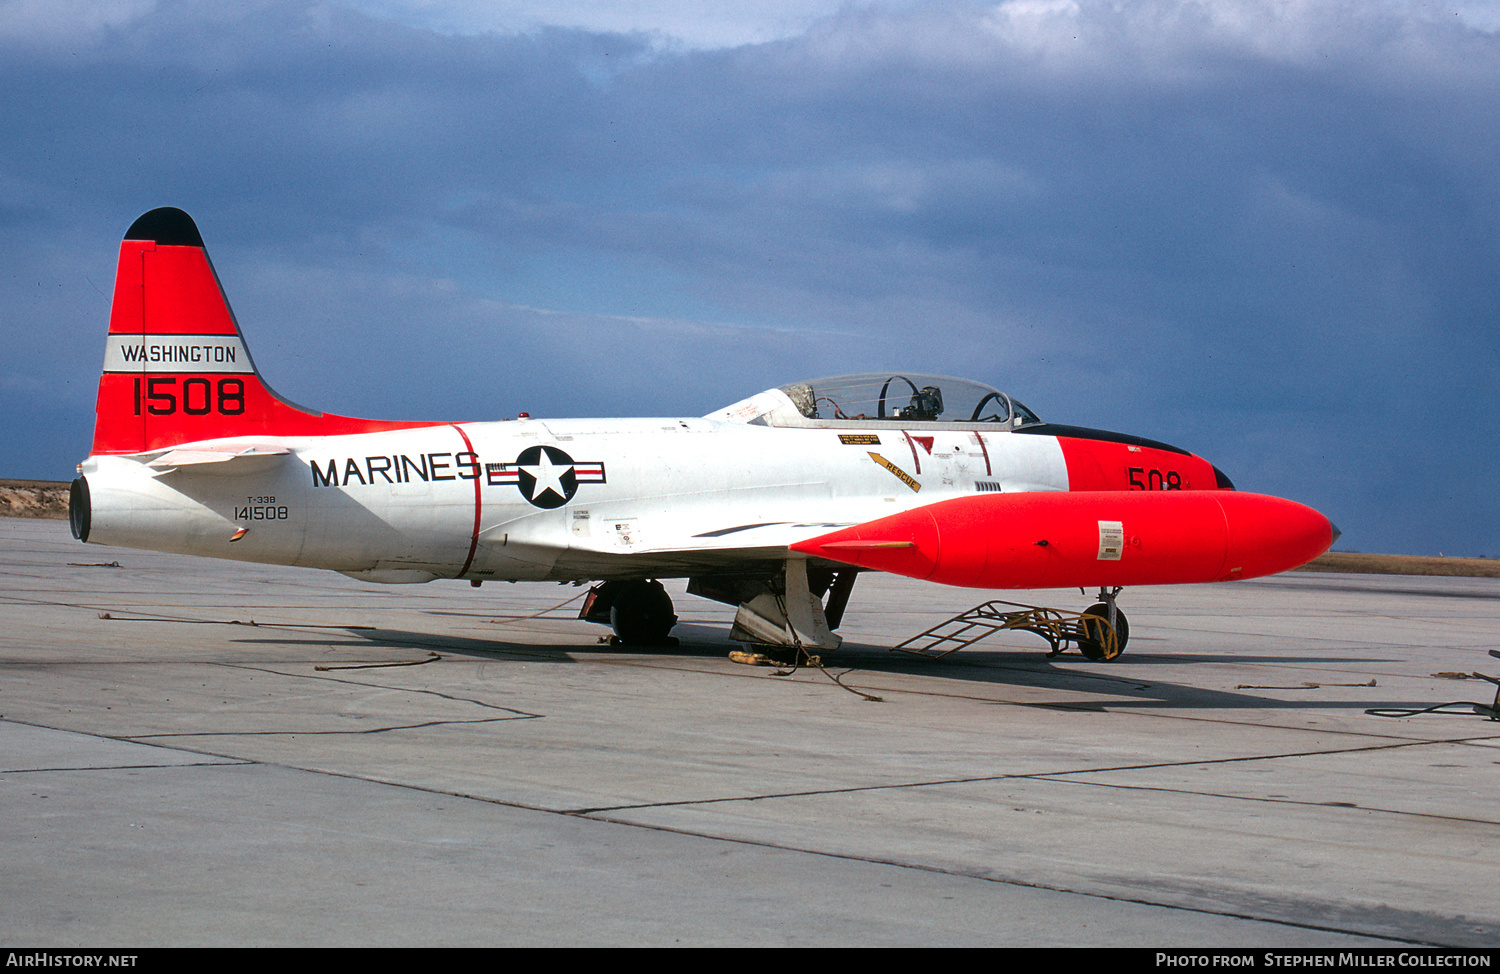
{"points": [[1103, 628]]}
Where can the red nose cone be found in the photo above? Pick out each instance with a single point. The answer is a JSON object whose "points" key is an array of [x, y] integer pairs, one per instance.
{"points": [[1085, 538], [1270, 534]]}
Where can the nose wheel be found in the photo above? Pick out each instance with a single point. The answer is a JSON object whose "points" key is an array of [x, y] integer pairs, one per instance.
{"points": [[1103, 630]]}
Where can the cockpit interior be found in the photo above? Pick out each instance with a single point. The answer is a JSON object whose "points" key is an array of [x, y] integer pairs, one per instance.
{"points": [[873, 399]]}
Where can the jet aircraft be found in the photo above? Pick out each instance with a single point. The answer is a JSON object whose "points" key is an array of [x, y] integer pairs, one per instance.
{"points": [[772, 504]]}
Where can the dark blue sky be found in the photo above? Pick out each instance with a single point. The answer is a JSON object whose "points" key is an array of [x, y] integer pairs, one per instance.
{"points": [[1268, 232]]}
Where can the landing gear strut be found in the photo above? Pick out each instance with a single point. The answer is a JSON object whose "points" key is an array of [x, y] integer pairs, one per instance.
{"points": [[785, 611]]}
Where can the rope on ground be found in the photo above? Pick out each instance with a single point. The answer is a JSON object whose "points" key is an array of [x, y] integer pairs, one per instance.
{"points": [[431, 658], [1464, 707], [538, 614], [804, 658], [1443, 709]]}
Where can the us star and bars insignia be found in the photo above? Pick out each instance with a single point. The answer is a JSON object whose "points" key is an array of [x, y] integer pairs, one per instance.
{"points": [[545, 476]]}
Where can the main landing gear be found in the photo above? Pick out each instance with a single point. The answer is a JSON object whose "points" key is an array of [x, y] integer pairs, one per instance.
{"points": [[1100, 631], [783, 611], [639, 611]]}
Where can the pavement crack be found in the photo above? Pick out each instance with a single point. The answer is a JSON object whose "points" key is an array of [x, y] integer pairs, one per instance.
{"points": [[1060, 776], [321, 676], [1267, 799], [178, 735], [1029, 884], [226, 763]]}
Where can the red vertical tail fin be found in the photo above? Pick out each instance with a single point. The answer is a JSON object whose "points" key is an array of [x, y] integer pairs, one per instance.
{"points": [[176, 368]]}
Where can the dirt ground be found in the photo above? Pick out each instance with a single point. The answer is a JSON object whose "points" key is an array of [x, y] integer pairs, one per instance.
{"points": [[1360, 564], [33, 498]]}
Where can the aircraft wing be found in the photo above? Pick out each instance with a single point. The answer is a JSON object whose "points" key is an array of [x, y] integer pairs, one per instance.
{"points": [[663, 541]]}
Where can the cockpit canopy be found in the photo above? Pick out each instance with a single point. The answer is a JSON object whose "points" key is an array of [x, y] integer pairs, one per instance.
{"points": [[874, 399]]}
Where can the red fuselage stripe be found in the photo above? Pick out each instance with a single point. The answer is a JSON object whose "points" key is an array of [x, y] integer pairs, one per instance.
{"points": [[913, 444], [474, 537]]}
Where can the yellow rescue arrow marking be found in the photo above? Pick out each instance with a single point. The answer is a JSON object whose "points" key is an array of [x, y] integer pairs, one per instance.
{"points": [[901, 475]]}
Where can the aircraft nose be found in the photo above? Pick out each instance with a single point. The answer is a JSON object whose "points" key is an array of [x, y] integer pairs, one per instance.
{"points": [[1336, 534]]}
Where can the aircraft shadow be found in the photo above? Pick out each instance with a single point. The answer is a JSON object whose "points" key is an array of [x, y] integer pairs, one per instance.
{"points": [[1126, 680]]}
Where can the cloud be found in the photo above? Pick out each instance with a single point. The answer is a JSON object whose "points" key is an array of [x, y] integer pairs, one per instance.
{"points": [[63, 22], [678, 23]]}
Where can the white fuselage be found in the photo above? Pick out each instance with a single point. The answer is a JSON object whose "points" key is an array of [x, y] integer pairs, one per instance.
{"points": [[550, 499]]}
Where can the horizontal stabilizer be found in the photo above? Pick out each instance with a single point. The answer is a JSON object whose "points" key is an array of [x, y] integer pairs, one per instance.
{"points": [[174, 459]]}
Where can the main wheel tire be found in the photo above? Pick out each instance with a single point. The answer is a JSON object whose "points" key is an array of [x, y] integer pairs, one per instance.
{"points": [[642, 614], [1091, 638]]}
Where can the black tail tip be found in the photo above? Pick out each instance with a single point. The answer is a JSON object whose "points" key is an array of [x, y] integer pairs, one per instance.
{"points": [[168, 226]]}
